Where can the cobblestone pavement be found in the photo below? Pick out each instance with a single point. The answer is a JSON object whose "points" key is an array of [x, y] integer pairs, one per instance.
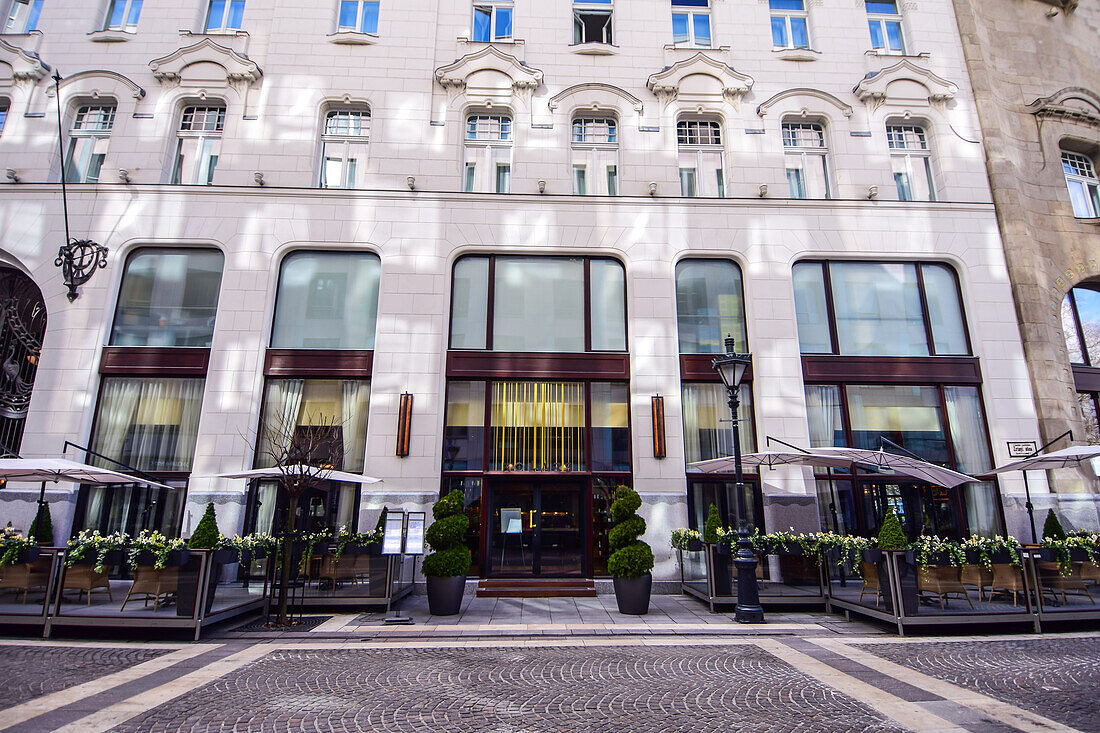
{"points": [[551, 689], [27, 672], [1056, 677]]}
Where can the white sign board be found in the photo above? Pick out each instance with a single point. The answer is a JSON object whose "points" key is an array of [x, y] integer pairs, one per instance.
{"points": [[511, 521], [393, 534], [1020, 448], [414, 534]]}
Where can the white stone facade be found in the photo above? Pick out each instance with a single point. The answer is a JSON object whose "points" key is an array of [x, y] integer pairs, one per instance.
{"points": [[276, 78]]}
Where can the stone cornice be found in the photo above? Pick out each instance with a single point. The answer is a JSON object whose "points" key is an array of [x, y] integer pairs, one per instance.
{"points": [[238, 68]]}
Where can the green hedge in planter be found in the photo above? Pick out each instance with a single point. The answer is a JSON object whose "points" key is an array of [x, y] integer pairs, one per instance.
{"points": [[713, 524], [1052, 528], [451, 558], [892, 536], [630, 556]]}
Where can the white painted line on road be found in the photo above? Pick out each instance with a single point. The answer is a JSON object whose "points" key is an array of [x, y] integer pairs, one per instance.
{"points": [[907, 714], [46, 703], [109, 717], [1002, 711]]}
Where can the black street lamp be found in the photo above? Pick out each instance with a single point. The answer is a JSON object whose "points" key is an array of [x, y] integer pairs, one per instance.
{"points": [[731, 367]]}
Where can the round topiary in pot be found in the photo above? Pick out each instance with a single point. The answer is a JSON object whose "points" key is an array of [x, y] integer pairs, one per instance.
{"points": [[446, 568], [631, 559]]}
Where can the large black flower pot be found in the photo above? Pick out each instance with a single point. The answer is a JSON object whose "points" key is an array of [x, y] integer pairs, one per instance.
{"points": [[445, 595], [632, 594], [907, 578], [722, 565]]}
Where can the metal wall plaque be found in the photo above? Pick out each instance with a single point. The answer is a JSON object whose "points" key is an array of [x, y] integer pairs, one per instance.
{"points": [[1020, 448]]}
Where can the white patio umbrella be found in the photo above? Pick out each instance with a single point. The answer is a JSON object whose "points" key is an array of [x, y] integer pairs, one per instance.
{"points": [[301, 470], [1071, 457], [844, 458], [62, 469]]}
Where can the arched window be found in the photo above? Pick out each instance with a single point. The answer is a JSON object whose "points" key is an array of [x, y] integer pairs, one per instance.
{"points": [[595, 152], [488, 165], [699, 145], [327, 300], [709, 305], [911, 162], [169, 297], [344, 148], [1084, 188], [1081, 325], [807, 160]]}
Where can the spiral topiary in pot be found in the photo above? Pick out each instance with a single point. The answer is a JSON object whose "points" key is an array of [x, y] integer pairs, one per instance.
{"points": [[449, 562], [631, 559]]}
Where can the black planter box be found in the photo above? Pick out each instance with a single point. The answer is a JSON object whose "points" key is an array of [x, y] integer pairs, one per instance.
{"points": [[114, 557], [176, 558], [907, 578], [722, 565], [27, 554], [1000, 557], [694, 546]]}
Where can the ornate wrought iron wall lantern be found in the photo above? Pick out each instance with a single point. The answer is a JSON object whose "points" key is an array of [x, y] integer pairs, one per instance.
{"points": [[77, 258]]}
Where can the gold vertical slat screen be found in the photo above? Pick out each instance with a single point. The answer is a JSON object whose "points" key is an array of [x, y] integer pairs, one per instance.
{"points": [[537, 426]]}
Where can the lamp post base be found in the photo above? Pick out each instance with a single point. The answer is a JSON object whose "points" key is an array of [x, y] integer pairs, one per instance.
{"points": [[749, 610]]}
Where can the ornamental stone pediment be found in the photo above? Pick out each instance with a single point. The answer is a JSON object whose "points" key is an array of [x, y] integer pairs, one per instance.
{"points": [[17, 65], [699, 80], [803, 101], [205, 64], [489, 75], [904, 83], [97, 83], [595, 96], [1074, 104]]}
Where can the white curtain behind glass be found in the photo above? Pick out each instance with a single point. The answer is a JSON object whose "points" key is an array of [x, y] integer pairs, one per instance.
{"points": [[981, 509], [707, 432], [964, 413], [150, 424], [538, 304], [282, 404], [354, 404], [824, 415]]}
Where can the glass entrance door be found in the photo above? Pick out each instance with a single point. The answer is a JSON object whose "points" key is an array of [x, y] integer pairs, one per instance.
{"points": [[535, 529]]}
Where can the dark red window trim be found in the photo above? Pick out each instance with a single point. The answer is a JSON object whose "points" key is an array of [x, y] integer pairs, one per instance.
{"points": [[826, 369], [149, 361], [513, 365], [318, 363]]}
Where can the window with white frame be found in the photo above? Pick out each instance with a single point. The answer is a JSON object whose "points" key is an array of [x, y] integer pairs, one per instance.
{"points": [[88, 139], [699, 145], [911, 162], [224, 16], [3, 113], [1084, 189], [790, 25], [691, 23], [492, 21], [23, 16], [198, 145], [122, 15], [344, 147], [488, 154], [359, 15], [592, 21], [885, 23], [595, 154], [806, 157]]}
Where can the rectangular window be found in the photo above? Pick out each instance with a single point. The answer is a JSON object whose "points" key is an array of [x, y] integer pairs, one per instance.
{"points": [[687, 183], [884, 21], [811, 308], [469, 306], [169, 297], [23, 16], [3, 114], [592, 21], [806, 159], [198, 146], [122, 15], [911, 161], [612, 180], [488, 165], [707, 430], [1084, 188], [610, 426], [607, 305], [344, 146], [579, 186], [150, 424], [537, 426], [709, 305], [492, 22], [595, 149], [224, 16], [700, 152], [464, 431], [320, 421], [359, 15], [789, 24], [908, 416], [88, 139], [691, 23]]}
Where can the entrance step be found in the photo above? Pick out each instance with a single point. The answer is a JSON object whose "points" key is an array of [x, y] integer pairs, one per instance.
{"points": [[537, 588]]}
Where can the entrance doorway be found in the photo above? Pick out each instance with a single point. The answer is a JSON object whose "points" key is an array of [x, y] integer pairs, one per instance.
{"points": [[22, 326], [536, 528]]}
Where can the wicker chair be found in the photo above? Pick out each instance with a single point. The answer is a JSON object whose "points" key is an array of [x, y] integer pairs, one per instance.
{"points": [[870, 581], [1052, 580], [26, 576], [1090, 572], [1007, 578], [337, 570], [942, 581], [152, 583], [977, 576], [84, 579]]}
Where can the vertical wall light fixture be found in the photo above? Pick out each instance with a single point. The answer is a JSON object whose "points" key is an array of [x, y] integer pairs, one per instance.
{"points": [[657, 404], [404, 424]]}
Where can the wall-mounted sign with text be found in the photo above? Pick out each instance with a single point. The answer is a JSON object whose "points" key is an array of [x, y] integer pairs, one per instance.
{"points": [[1020, 448]]}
